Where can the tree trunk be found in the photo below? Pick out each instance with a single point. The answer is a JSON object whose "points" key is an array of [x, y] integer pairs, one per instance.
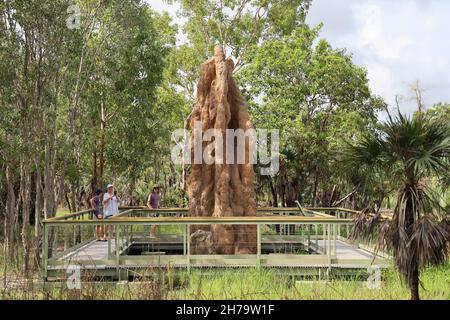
{"points": [[187, 122], [415, 285], [73, 198], [274, 194], [49, 178], [102, 145], [94, 181], [10, 214], [37, 216], [25, 184], [132, 187], [316, 183]]}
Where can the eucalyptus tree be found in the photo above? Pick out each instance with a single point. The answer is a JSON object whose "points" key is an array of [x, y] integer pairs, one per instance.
{"points": [[411, 152]]}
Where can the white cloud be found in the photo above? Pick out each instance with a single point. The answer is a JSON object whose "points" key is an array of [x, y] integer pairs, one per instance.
{"points": [[398, 42]]}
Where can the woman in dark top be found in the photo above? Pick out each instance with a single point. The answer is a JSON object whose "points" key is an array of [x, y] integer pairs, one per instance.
{"points": [[153, 203], [96, 204]]}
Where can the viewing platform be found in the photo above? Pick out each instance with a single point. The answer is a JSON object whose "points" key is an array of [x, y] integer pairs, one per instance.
{"points": [[294, 241]]}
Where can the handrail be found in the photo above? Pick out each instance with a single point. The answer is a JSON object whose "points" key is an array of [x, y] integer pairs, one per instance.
{"points": [[71, 215], [334, 209], [129, 209], [143, 208], [207, 220], [123, 213], [258, 209]]}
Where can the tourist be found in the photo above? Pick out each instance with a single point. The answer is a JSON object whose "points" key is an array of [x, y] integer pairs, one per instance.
{"points": [[110, 205], [96, 205], [153, 201]]}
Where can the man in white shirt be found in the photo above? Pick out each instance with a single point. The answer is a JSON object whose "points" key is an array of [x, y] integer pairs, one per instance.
{"points": [[110, 204]]}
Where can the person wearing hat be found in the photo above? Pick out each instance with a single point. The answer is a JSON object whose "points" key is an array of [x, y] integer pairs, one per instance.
{"points": [[153, 203], [110, 204]]}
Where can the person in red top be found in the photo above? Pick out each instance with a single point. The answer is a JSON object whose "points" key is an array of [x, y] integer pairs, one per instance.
{"points": [[153, 201]]}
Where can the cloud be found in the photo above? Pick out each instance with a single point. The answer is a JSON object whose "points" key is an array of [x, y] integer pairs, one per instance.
{"points": [[398, 42]]}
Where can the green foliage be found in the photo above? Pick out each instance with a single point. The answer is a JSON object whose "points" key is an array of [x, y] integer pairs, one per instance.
{"points": [[314, 95]]}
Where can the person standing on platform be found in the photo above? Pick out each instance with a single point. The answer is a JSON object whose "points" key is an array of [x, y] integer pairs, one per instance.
{"points": [[110, 205], [153, 201], [97, 206]]}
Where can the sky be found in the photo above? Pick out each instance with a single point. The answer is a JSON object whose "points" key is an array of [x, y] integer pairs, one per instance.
{"points": [[399, 42]]}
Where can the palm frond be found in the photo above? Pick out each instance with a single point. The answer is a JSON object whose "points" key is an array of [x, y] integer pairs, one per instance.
{"points": [[429, 242], [365, 152]]}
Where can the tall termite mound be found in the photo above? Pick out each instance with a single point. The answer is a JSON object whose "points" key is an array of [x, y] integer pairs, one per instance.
{"points": [[221, 189]]}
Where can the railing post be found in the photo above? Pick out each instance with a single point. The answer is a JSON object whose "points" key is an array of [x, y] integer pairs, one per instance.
{"points": [[334, 237], [188, 248], [127, 237], [117, 230], [45, 253], [74, 230], [184, 239], [338, 214], [302, 227], [309, 237], [329, 245], [108, 227], [317, 236], [66, 238], [347, 227], [324, 231], [258, 243], [79, 239], [131, 234]]}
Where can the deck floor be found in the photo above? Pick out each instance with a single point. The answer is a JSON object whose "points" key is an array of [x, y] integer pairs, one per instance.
{"points": [[97, 250], [347, 251], [94, 250]]}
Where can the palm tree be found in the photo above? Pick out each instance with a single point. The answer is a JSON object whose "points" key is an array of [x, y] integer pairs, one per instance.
{"points": [[413, 152]]}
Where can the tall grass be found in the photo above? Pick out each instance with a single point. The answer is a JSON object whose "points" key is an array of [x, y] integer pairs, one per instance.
{"points": [[229, 284], [266, 284]]}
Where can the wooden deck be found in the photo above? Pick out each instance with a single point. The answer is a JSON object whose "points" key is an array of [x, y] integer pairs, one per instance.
{"points": [[346, 254], [93, 251]]}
